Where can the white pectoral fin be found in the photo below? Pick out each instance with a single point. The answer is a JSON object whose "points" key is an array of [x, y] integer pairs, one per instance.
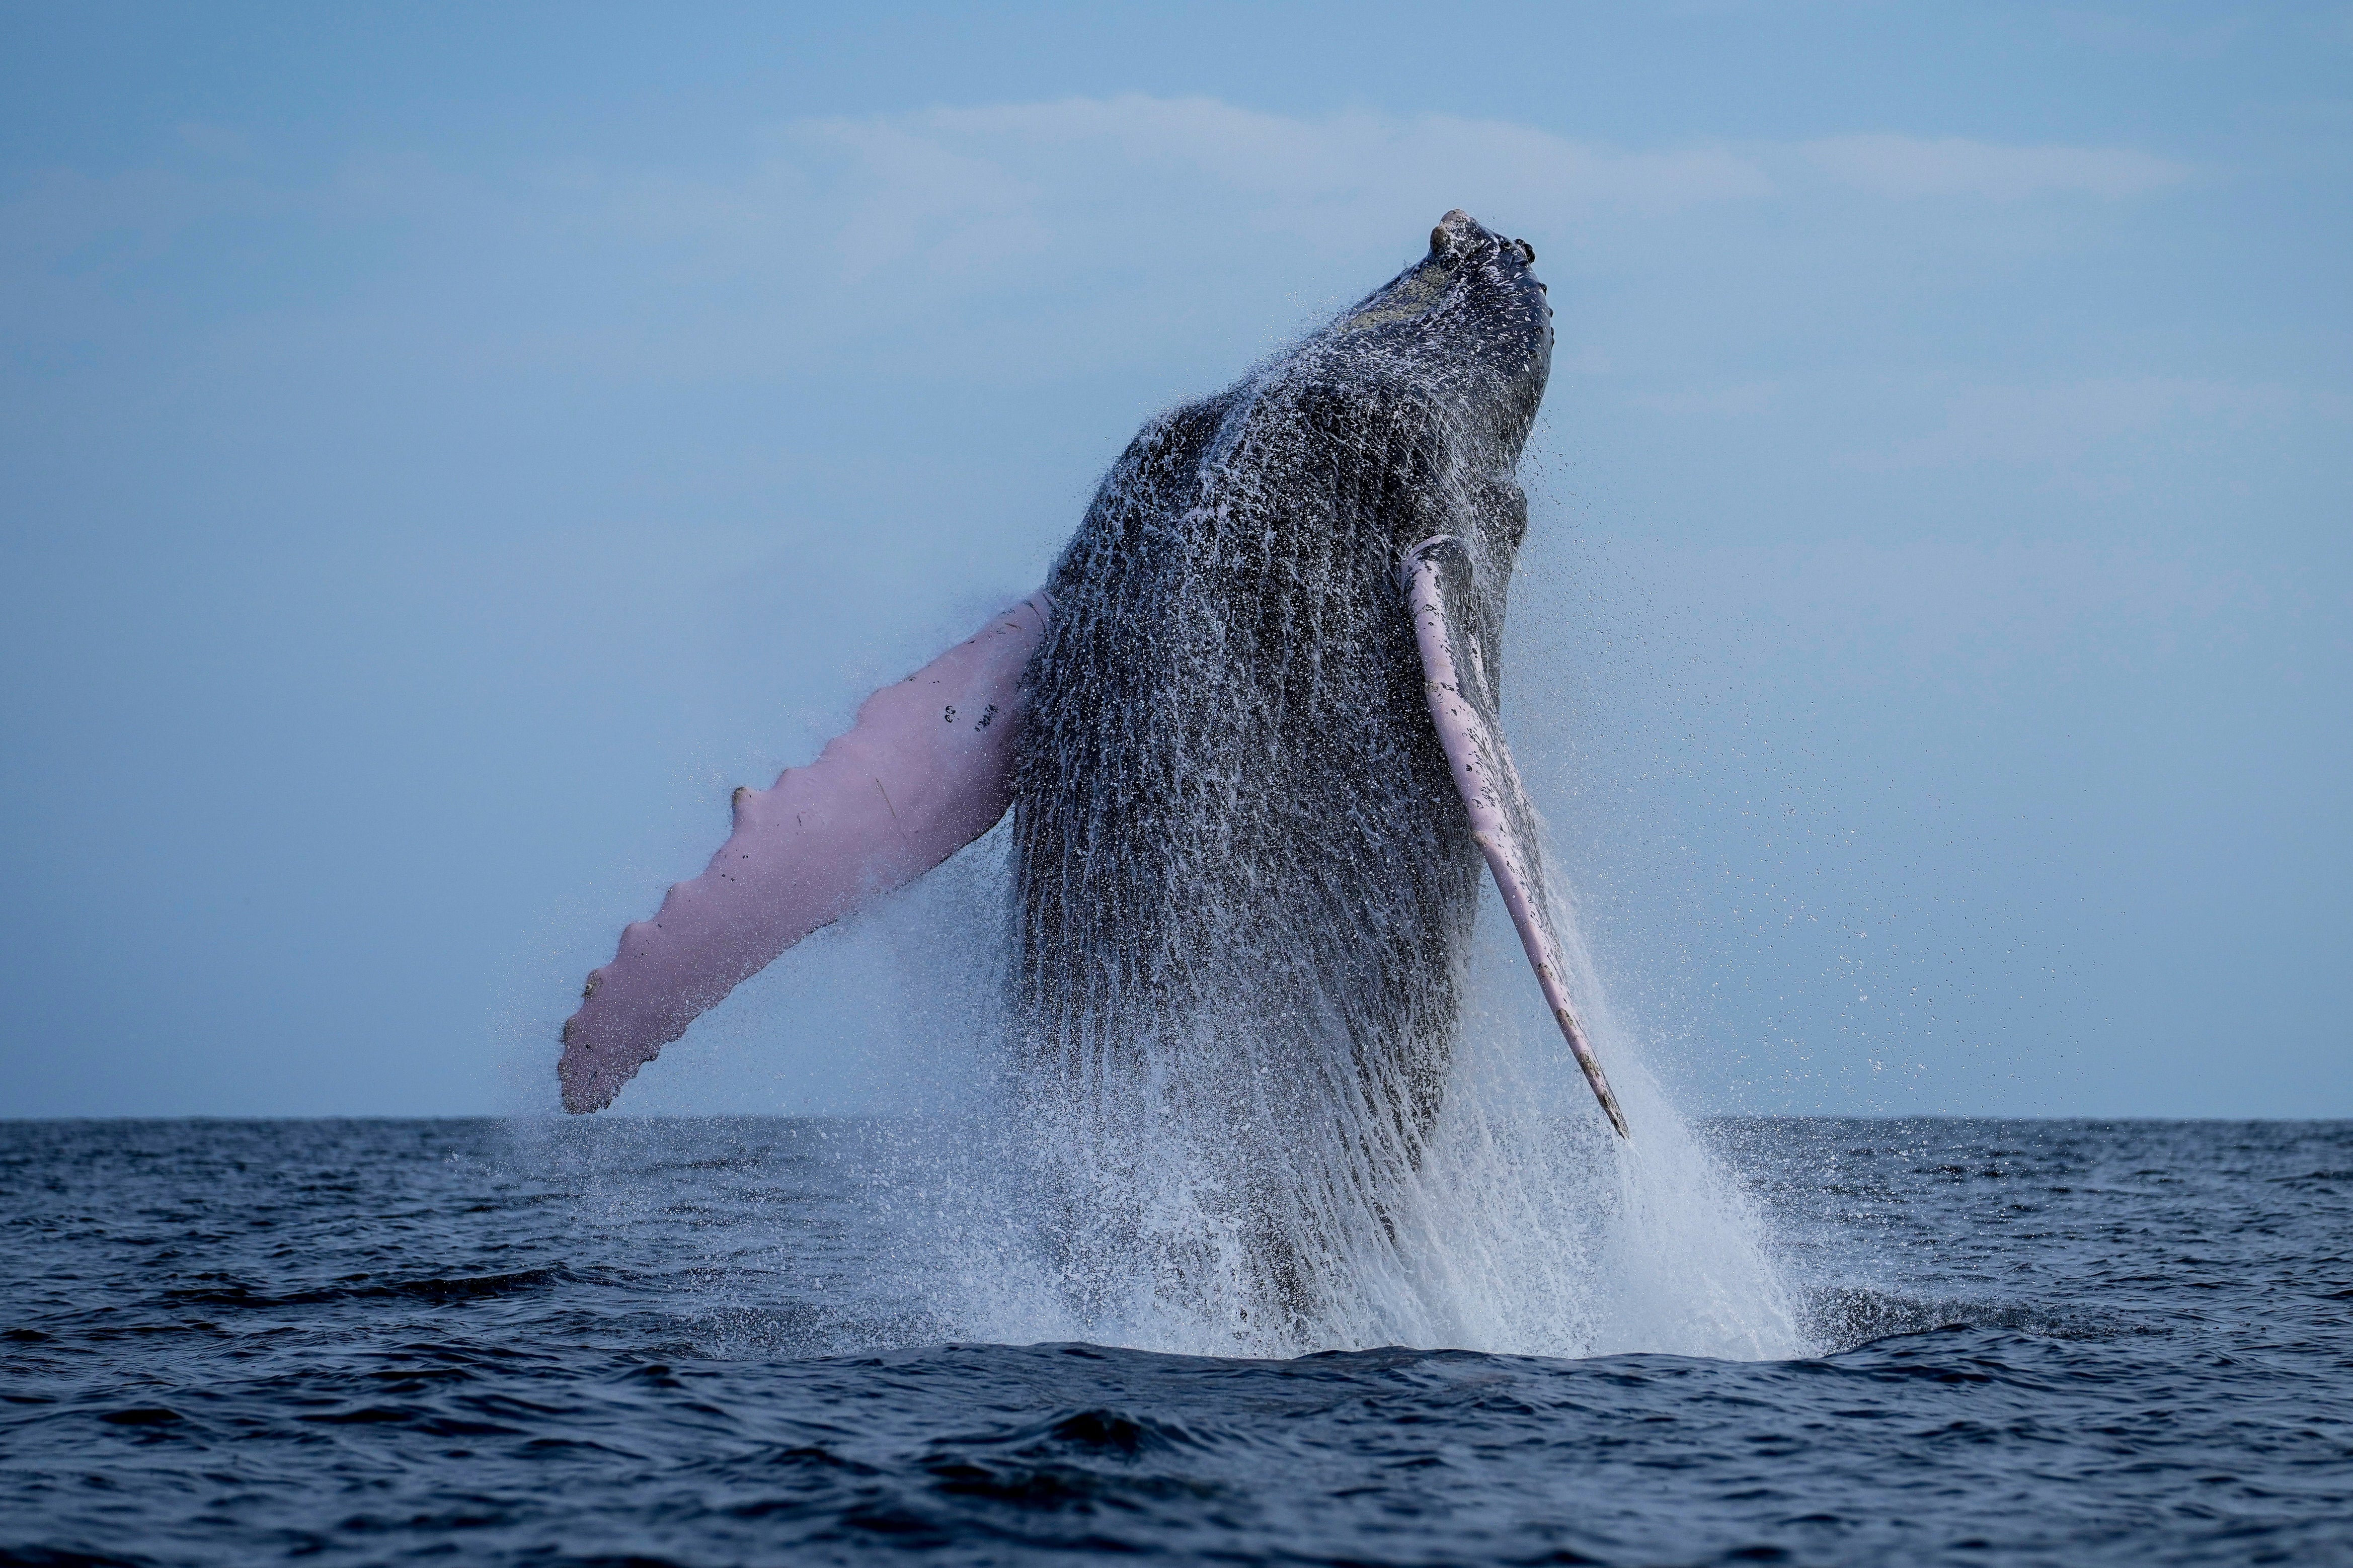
{"points": [[1437, 577], [924, 771]]}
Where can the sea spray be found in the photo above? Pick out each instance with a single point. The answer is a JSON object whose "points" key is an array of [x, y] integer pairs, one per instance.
{"points": [[1525, 1228]]}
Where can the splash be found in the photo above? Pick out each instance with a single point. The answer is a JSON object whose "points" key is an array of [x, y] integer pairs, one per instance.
{"points": [[1155, 1218], [985, 1212], [1159, 1218]]}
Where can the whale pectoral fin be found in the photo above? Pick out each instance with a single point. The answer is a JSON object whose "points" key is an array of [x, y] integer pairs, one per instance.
{"points": [[924, 771], [1437, 577]]}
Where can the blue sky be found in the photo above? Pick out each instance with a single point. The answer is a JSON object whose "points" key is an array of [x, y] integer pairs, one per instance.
{"points": [[443, 449]]}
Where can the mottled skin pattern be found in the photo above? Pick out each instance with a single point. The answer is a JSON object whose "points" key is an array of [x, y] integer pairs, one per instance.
{"points": [[1241, 858]]}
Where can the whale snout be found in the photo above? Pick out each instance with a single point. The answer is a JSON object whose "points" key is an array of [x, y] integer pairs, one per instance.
{"points": [[1460, 234]]}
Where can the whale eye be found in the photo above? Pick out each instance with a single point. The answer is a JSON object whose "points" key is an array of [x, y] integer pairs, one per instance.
{"points": [[1438, 246], [1528, 252]]}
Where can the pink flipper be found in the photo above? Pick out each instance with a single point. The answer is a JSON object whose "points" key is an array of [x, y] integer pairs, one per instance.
{"points": [[1436, 577], [923, 773]]}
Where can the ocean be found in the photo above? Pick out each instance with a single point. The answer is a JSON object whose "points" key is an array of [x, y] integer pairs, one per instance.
{"points": [[740, 1341]]}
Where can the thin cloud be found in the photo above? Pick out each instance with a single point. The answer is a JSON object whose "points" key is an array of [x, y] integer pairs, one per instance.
{"points": [[1953, 166], [981, 191], [1353, 155], [1013, 241], [1090, 221]]}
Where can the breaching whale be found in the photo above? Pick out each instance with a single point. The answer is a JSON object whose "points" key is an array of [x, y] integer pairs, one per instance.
{"points": [[1250, 733]]}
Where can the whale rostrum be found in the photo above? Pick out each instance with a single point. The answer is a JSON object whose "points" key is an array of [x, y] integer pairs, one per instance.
{"points": [[1250, 733]]}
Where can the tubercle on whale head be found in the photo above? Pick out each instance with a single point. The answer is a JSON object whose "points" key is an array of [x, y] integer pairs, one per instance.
{"points": [[1458, 233]]}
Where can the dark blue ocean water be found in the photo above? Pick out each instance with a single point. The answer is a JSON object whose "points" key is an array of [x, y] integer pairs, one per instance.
{"points": [[236, 1342]]}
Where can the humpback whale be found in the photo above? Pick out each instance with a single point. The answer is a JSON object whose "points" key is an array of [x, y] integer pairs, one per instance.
{"points": [[1250, 733]]}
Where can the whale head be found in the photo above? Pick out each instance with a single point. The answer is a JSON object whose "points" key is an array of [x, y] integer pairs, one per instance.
{"points": [[1401, 419]]}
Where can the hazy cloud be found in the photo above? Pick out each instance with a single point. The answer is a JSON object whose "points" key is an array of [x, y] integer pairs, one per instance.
{"points": [[1953, 166], [1087, 225], [981, 191], [1013, 244]]}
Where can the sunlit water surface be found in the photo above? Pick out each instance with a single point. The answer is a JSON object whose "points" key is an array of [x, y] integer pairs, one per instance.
{"points": [[779, 1340]]}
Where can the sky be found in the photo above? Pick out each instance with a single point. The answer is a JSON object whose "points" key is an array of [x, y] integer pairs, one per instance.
{"points": [[444, 448]]}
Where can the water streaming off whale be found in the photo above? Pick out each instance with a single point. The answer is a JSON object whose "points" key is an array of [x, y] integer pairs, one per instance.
{"points": [[1524, 1226]]}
